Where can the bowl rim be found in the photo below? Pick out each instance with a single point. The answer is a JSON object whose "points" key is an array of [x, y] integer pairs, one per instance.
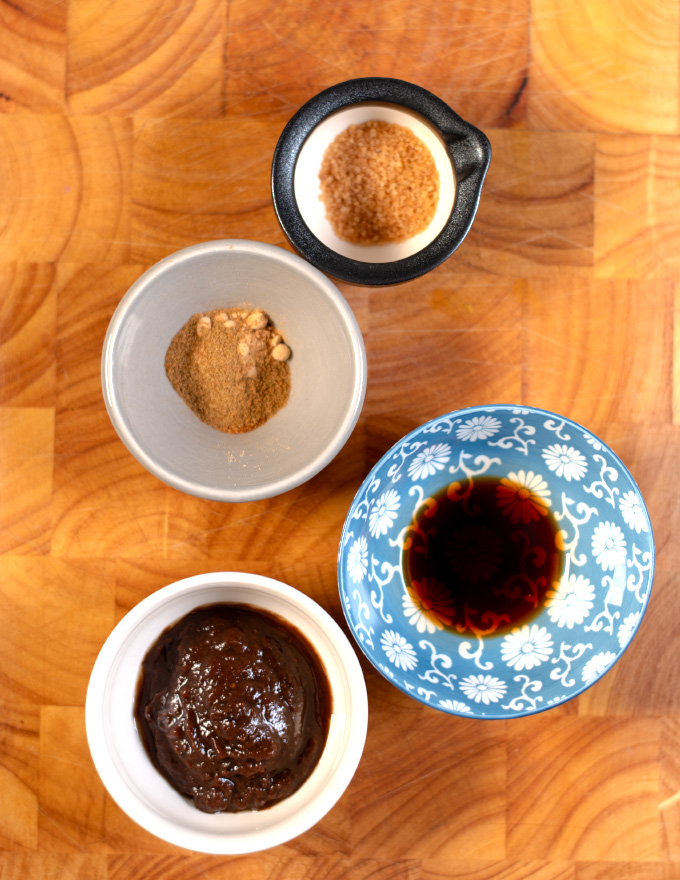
{"points": [[468, 148], [205, 490], [204, 841], [480, 408]]}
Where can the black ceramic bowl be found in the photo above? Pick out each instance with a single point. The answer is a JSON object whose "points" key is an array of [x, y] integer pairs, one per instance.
{"points": [[461, 152]]}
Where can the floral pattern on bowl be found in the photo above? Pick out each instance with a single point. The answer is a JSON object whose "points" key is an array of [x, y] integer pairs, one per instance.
{"points": [[588, 614]]}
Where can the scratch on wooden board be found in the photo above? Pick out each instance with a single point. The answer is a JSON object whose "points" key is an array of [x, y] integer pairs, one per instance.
{"points": [[571, 348], [457, 331], [616, 206], [8, 661], [69, 837], [202, 533], [671, 801], [298, 524], [550, 236], [517, 95], [417, 781], [83, 765], [166, 527], [19, 540]]}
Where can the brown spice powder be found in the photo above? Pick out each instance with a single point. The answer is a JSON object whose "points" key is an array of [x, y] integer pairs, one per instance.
{"points": [[230, 367], [379, 184]]}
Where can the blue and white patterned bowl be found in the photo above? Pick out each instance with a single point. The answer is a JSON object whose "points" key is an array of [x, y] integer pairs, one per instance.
{"points": [[592, 608]]}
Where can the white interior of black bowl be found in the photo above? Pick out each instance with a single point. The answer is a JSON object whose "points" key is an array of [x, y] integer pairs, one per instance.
{"points": [[307, 184]]}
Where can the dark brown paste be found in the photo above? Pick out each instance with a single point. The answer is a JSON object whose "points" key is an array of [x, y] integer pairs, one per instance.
{"points": [[233, 707]]}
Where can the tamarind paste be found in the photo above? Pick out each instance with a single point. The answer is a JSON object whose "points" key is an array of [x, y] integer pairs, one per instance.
{"points": [[233, 707]]}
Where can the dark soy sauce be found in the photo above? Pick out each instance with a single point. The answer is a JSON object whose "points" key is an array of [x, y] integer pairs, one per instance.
{"points": [[481, 556]]}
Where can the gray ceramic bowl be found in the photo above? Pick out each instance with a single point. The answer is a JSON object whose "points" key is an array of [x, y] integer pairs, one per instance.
{"points": [[328, 371]]}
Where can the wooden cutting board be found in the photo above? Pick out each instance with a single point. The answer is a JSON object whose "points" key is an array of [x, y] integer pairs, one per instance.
{"points": [[129, 130]]}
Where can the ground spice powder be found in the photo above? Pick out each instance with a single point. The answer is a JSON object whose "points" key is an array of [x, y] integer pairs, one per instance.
{"points": [[379, 184], [231, 368]]}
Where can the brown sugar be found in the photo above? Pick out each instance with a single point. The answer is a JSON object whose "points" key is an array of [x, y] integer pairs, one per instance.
{"points": [[379, 184], [231, 368]]}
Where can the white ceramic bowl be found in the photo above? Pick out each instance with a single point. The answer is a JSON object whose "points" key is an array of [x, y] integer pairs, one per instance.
{"points": [[124, 766], [328, 371], [307, 181]]}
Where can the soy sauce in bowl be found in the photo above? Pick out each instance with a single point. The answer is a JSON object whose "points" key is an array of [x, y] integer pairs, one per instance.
{"points": [[481, 556]]}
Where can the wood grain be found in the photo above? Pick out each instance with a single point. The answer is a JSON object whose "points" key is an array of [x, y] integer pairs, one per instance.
{"points": [[636, 206], [65, 188], [561, 363], [502, 870], [669, 783], [33, 62], [28, 328], [26, 462], [588, 796], [128, 131], [536, 213], [185, 189], [609, 66], [160, 60], [459, 779], [45, 604], [473, 57]]}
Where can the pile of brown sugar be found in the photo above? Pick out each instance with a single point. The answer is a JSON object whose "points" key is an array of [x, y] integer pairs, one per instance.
{"points": [[231, 368], [379, 184]]}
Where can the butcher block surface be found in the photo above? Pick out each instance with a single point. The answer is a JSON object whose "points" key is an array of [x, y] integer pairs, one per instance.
{"points": [[131, 129]]}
